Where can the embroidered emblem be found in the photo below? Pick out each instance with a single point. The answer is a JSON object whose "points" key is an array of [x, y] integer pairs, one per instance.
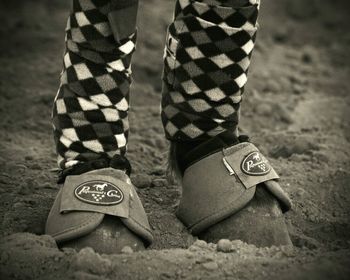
{"points": [[99, 192], [255, 164]]}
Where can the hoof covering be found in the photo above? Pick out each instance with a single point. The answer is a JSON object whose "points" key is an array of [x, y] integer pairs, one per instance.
{"points": [[216, 188], [99, 209], [261, 223]]}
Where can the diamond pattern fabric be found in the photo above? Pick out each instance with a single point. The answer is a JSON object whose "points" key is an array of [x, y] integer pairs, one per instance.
{"points": [[207, 56], [206, 61], [90, 114]]}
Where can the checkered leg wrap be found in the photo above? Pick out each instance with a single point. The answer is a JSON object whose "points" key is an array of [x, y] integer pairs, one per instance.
{"points": [[206, 60], [90, 114]]}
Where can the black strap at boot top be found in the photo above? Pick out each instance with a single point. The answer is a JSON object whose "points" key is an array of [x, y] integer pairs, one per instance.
{"points": [[122, 18], [117, 162], [187, 153], [121, 4], [229, 3]]}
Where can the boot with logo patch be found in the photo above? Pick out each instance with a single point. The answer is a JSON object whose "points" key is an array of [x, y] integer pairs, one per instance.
{"points": [[235, 190], [99, 209]]}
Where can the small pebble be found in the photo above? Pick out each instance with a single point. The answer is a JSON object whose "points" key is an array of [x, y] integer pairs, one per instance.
{"points": [[89, 261], [300, 192], [142, 181], [200, 243], [224, 245], [127, 250]]}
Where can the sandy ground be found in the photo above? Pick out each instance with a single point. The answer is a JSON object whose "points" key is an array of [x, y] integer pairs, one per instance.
{"points": [[296, 109]]}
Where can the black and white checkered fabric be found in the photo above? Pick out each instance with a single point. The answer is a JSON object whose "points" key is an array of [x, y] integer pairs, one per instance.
{"points": [[206, 61], [90, 114], [243, 17]]}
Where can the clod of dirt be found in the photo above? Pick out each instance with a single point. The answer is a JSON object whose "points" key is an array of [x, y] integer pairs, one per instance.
{"points": [[298, 145], [224, 245], [142, 181], [198, 245], [300, 192], [127, 250], [272, 85], [89, 261]]}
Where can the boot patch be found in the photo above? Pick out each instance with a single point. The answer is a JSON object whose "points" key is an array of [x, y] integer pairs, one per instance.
{"points": [[255, 164], [99, 193]]}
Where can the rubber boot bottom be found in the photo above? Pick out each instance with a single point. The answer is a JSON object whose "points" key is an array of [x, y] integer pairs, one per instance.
{"points": [[260, 223], [110, 237]]}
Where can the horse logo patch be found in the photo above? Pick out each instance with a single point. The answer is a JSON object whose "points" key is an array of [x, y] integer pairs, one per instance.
{"points": [[99, 192], [255, 164]]}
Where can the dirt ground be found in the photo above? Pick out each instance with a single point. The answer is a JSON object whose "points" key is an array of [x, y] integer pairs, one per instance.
{"points": [[296, 108]]}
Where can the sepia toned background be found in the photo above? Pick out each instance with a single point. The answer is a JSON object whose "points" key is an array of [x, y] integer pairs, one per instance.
{"points": [[296, 108]]}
